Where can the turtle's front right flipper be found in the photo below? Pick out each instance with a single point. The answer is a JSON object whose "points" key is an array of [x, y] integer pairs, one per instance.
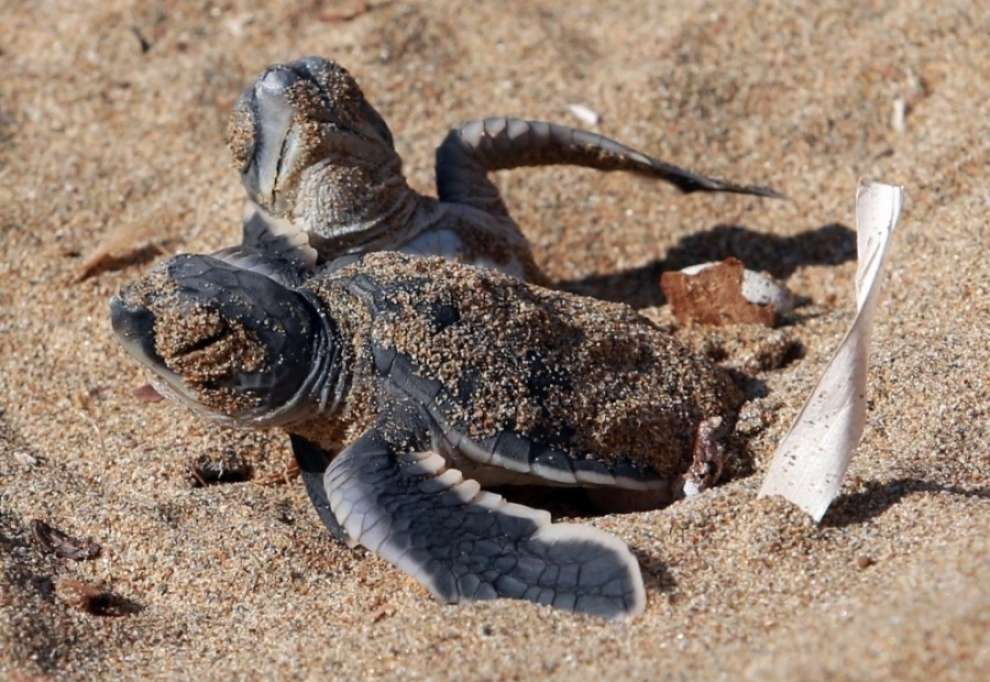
{"points": [[470, 151], [313, 462], [462, 543]]}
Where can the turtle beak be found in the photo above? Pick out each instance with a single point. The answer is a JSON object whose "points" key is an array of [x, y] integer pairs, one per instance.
{"points": [[134, 326], [276, 140]]}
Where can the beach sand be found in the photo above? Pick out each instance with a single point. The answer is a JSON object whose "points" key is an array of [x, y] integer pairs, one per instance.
{"points": [[111, 123]]}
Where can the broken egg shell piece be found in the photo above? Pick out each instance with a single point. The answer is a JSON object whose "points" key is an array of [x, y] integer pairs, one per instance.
{"points": [[758, 288], [761, 289], [583, 113], [725, 293]]}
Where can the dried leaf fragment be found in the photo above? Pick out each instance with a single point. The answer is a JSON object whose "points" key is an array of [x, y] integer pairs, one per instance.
{"points": [[348, 14], [811, 460], [93, 599], [62, 544], [124, 245]]}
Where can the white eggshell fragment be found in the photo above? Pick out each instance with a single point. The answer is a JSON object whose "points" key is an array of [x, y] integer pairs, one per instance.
{"points": [[762, 289], [584, 114]]}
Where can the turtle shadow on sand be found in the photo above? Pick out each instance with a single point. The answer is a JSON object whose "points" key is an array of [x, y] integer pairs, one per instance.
{"points": [[572, 505], [656, 575], [831, 244], [854, 508], [561, 502]]}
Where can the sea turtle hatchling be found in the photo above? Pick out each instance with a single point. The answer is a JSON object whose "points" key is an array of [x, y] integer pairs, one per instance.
{"points": [[432, 380], [316, 157]]}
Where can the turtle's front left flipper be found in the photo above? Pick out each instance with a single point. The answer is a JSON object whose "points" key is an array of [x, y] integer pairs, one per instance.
{"points": [[273, 247], [470, 151], [462, 543]]}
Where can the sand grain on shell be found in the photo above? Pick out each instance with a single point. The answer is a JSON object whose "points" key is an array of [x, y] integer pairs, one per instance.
{"points": [[242, 580]]}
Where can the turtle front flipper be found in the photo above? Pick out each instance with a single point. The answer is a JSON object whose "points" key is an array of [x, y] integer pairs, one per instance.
{"points": [[272, 247], [264, 232], [313, 463], [470, 151], [462, 543]]}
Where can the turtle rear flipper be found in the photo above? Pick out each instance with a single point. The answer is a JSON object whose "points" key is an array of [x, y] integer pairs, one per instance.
{"points": [[471, 150], [462, 543]]}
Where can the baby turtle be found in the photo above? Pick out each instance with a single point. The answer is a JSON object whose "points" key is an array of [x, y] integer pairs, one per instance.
{"points": [[315, 156], [432, 380]]}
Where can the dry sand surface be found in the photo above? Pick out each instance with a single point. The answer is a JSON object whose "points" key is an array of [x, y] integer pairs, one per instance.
{"points": [[111, 119]]}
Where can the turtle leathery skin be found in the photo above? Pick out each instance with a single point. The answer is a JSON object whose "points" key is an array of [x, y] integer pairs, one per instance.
{"points": [[315, 156], [432, 380]]}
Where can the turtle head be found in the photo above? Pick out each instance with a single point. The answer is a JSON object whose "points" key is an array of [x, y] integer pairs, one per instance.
{"points": [[297, 120], [227, 341]]}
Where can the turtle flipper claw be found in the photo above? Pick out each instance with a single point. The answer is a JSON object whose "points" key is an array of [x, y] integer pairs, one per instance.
{"points": [[462, 543]]}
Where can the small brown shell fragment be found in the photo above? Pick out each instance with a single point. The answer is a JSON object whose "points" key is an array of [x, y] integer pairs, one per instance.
{"points": [[63, 545], [724, 293]]}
